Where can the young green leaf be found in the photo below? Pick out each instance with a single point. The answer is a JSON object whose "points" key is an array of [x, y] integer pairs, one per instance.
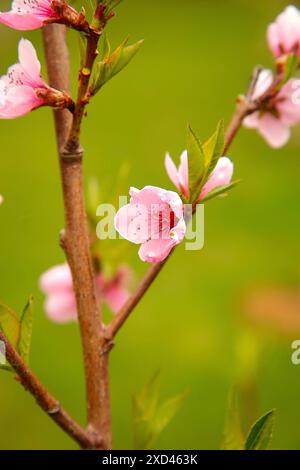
{"points": [[213, 148], [219, 191], [290, 67], [106, 47], [127, 54], [150, 417], [9, 324], [196, 165], [168, 410], [112, 64], [261, 433], [26, 322], [233, 438]]}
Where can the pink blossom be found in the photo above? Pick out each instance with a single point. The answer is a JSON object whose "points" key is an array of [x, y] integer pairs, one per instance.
{"points": [[153, 219], [221, 175], [279, 113], [180, 176], [33, 14], [284, 34], [60, 303], [1, 199], [28, 14], [23, 89]]}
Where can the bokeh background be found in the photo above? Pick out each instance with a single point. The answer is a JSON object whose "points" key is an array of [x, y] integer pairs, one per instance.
{"points": [[198, 55]]}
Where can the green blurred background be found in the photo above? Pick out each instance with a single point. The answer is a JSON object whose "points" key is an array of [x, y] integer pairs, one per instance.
{"points": [[198, 55]]}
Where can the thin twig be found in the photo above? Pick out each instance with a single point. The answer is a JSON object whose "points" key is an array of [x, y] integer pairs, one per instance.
{"points": [[46, 401]]}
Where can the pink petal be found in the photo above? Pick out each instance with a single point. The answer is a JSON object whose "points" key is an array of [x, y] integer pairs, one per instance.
{"points": [[148, 196], [173, 200], [252, 121], [265, 80], [288, 24], [132, 222], [172, 171], [21, 22], [27, 15], [289, 113], [177, 234], [61, 308], [56, 279], [274, 130], [18, 102], [29, 62], [184, 173], [221, 175], [155, 251], [273, 39]]}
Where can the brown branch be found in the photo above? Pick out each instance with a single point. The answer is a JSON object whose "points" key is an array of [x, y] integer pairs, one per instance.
{"points": [[243, 109], [76, 235], [46, 401], [57, 58]]}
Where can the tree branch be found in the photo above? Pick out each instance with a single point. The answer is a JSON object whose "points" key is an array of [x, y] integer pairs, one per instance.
{"points": [[46, 401], [76, 235]]}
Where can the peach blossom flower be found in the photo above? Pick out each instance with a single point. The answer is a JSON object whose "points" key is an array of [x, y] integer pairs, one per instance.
{"points": [[23, 89], [278, 115], [33, 14], [60, 303], [284, 34], [153, 219]]}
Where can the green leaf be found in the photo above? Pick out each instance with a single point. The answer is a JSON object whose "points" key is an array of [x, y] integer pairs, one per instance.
{"points": [[261, 433], [213, 148], [196, 165], [26, 330], [290, 67], [9, 324], [106, 47], [149, 396], [233, 438], [106, 69], [126, 56], [219, 191], [168, 411], [151, 417]]}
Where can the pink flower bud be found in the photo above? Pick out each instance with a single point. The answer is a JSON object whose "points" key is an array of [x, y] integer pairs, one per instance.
{"points": [[154, 220], [284, 34], [221, 176], [180, 176]]}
